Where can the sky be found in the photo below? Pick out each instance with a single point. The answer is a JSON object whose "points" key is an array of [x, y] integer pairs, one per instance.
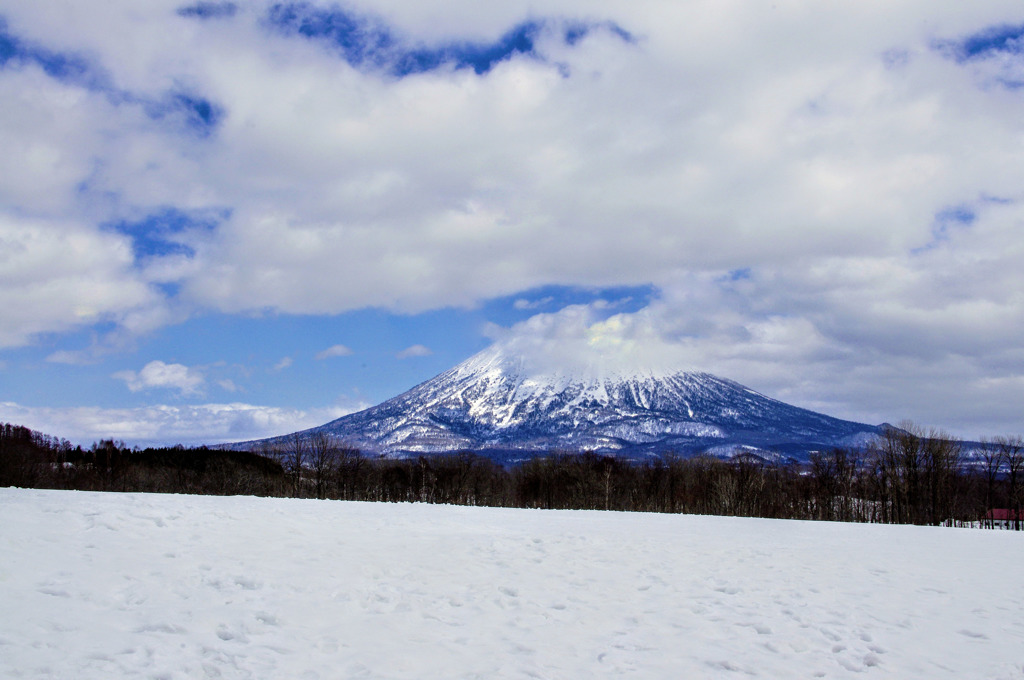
{"points": [[228, 220]]}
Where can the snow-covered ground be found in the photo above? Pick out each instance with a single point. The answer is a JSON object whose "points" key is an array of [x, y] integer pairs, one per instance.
{"points": [[114, 586]]}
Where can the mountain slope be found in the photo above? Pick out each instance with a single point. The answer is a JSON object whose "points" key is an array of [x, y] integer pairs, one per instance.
{"points": [[492, 401]]}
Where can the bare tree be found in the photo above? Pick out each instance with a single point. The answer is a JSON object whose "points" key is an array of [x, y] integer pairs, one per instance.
{"points": [[889, 457], [942, 457], [834, 475], [992, 460], [902, 460], [295, 460], [323, 460], [1012, 449], [826, 485], [350, 472]]}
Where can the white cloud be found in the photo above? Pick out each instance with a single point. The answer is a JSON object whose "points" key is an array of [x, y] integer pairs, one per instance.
{"points": [[523, 303], [157, 374], [333, 351], [228, 385], [784, 133], [162, 425], [71, 357], [414, 351], [822, 337], [284, 363], [57, 276]]}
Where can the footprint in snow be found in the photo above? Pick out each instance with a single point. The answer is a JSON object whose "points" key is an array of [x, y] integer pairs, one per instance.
{"points": [[55, 592], [161, 628], [830, 635], [228, 635], [267, 619]]}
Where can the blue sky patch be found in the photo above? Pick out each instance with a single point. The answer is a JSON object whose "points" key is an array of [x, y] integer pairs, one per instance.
{"points": [[948, 219], [161, 233], [367, 41], [361, 40], [958, 214], [69, 68], [946, 222], [198, 114], [481, 57], [512, 309], [9, 45], [991, 41], [209, 10], [744, 274], [222, 346], [998, 51]]}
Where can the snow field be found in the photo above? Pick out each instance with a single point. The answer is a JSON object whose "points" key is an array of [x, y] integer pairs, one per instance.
{"points": [[162, 586]]}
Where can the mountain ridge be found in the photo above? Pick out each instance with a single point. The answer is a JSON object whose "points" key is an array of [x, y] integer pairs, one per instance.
{"points": [[498, 402]]}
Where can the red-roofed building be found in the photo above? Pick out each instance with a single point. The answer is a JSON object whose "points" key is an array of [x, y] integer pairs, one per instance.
{"points": [[1003, 518]]}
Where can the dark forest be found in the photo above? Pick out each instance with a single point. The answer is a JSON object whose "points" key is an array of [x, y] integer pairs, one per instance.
{"points": [[907, 477]]}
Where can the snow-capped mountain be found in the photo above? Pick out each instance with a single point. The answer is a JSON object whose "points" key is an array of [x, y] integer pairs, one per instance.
{"points": [[495, 402]]}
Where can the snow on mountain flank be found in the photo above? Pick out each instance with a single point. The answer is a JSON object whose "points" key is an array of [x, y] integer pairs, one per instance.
{"points": [[106, 585], [499, 401]]}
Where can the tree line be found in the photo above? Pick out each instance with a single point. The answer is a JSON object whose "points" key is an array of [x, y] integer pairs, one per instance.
{"points": [[907, 476], [34, 460]]}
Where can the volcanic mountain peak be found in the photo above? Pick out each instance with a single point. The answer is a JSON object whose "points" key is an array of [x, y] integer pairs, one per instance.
{"points": [[498, 400]]}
